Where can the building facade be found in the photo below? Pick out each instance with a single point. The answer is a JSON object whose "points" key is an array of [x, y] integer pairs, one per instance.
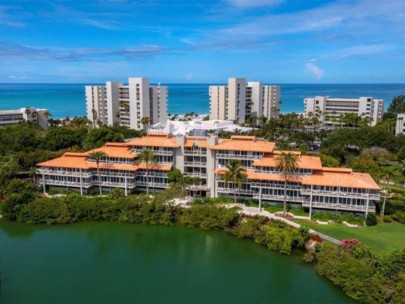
{"points": [[240, 100], [205, 158], [126, 105], [400, 124], [37, 116], [329, 110]]}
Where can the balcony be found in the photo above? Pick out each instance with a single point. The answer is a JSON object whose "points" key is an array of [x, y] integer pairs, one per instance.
{"points": [[233, 190], [345, 207], [151, 185], [264, 186], [196, 174], [65, 183], [238, 156], [64, 173], [273, 197], [195, 164], [195, 152], [341, 194], [156, 152]]}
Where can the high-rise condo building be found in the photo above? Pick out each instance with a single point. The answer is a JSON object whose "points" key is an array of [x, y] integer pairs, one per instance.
{"points": [[34, 115], [126, 104], [400, 125], [329, 110], [240, 100]]}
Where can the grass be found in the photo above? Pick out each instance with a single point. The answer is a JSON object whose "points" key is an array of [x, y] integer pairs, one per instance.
{"points": [[383, 238], [277, 208]]}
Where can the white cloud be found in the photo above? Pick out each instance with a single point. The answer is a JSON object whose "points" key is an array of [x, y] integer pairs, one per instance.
{"points": [[253, 3], [361, 50], [314, 70]]}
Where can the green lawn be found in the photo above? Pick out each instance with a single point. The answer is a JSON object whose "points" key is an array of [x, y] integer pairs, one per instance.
{"points": [[383, 238], [277, 208]]}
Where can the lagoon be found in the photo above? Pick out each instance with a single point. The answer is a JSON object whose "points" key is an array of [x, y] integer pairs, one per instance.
{"points": [[121, 263]]}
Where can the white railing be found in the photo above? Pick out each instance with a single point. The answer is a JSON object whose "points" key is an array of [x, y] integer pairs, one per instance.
{"points": [[156, 152], [264, 186], [151, 174], [238, 156], [151, 185], [279, 197], [191, 163], [64, 173], [64, 183], [341, 194], [196, 174], [335, 206], [195, 152], [233, 190]]}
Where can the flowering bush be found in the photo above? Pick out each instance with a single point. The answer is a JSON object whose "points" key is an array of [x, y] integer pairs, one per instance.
{"points": [[349, 243]]}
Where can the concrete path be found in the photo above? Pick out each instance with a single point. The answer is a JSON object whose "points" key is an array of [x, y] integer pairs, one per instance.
{"points": [[255, 211]]}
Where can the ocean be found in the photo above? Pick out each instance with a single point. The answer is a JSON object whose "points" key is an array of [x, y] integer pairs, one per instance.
{"points": [[69, 99]]}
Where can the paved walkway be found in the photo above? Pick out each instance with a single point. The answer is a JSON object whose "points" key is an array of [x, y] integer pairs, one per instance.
{"points": [[255, 211]]}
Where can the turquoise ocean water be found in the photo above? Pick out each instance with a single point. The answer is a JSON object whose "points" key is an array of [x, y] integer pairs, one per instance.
{"points": [[69, 99]]}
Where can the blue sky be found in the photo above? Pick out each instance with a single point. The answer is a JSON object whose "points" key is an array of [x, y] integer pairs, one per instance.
{"points": [[275, 41]]}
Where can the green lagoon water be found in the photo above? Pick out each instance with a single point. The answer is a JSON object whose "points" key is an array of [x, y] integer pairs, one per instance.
{"points": [[123, 263]]}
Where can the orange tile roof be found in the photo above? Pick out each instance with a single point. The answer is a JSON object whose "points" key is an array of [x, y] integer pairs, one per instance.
{"points": [[200, 142], [119, 150], [339, 179], [155, 140], [79, 161], [245, 145], [68, 160], [303, 162], [342, 170], [262, 176]]}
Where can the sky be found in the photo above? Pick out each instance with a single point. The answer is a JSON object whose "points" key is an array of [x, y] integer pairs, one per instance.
{"points": [[180, 41]]}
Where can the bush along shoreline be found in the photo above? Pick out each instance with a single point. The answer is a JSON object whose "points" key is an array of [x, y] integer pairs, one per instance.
{"points": [[359, 272]]}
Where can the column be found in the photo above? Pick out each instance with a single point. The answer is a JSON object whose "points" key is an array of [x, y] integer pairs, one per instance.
{"points": [[310, 203]]}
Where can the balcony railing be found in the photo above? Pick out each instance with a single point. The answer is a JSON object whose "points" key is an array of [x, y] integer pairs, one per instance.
{"points": [[341, 194], [233, 190], [279, 197], [262, 185], [156, 152], [238, 156], [195, 152], [334, 206], [195, 163], [64, 173], [196, 174], [151, 185], [64, 183]]}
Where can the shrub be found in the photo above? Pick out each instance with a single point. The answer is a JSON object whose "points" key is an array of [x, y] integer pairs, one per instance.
{"points": [[399, 216], [387, 219], [371, 219]]}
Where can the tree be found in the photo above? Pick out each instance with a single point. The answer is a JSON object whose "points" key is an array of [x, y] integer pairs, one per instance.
{"points": [[397, 105], [8, 167], [286, 163], [145, 120], [147, 157], [401, 168], [97, 156], [235, 173]]}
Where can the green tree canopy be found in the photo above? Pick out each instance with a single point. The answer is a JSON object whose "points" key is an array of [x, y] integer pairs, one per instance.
{"points": [[397, 105]]}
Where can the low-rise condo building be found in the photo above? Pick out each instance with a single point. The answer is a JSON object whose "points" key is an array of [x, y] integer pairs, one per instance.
{"points": [[37, 116], [239, 100], [205, 158], [329, 110], [400, 125], [127, 105]]}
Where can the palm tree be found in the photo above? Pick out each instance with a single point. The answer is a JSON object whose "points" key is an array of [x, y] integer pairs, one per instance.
{"points": [[286, 163], [145, 120], [235, 173], [147, 157], [97, 156], [401, 168]]}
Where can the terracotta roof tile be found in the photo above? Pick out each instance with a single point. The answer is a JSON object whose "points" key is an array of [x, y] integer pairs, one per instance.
{"points": [[245, 145], [200, 142], [339, 179], [303, 162], [154, 140], [116, 150]]}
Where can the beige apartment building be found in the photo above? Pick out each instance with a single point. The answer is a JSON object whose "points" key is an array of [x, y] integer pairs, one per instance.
{"points": [[400, 124], [205, 158], [240, 100], [37, 116], [328, 110], [126, 104]]}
